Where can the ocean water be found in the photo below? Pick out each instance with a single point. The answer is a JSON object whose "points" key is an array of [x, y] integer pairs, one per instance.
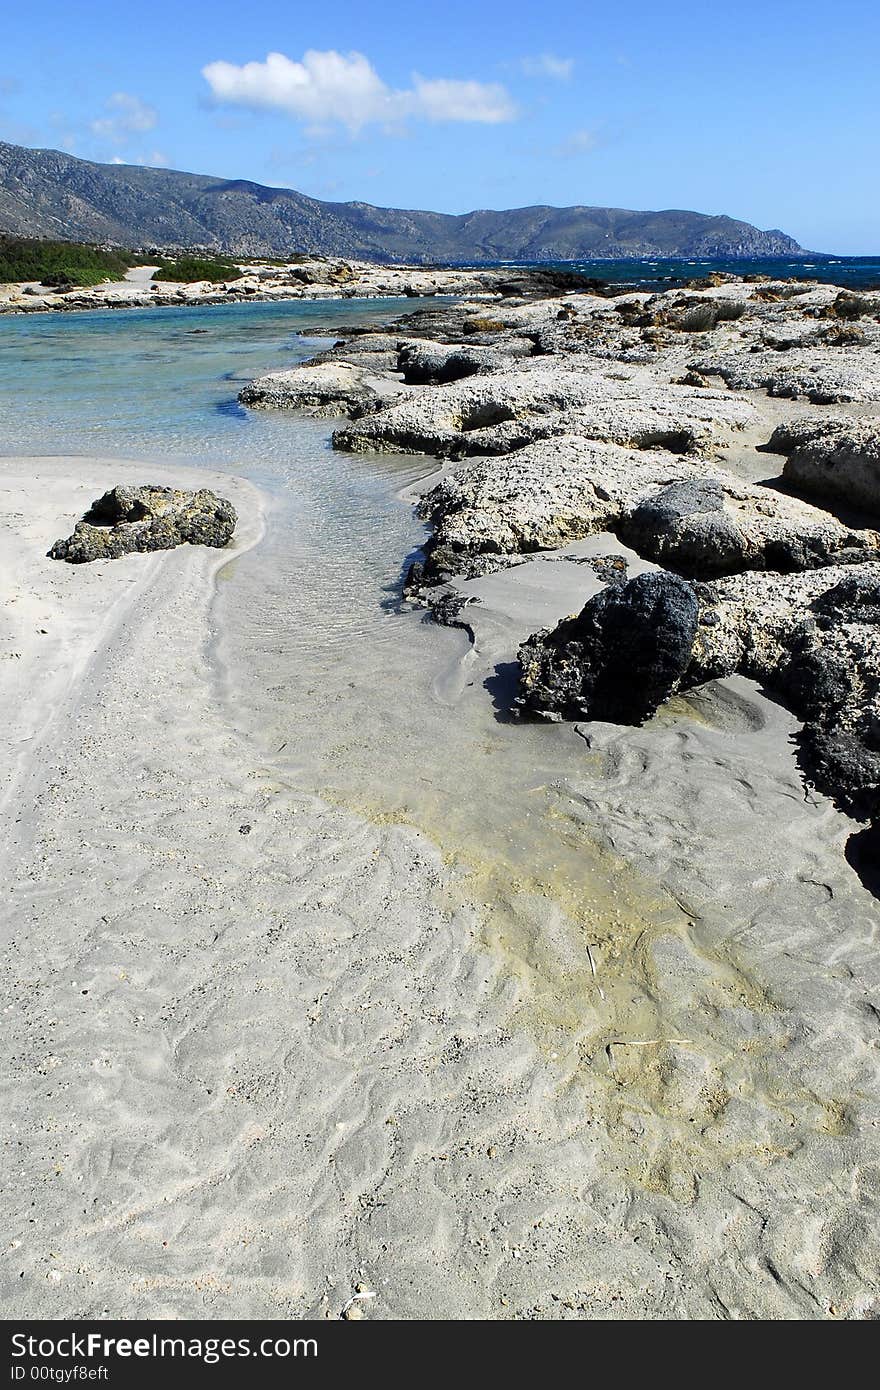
{"points": [[140, 381], [850, 272]]}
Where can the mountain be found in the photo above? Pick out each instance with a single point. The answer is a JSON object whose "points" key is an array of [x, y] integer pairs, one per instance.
{"points": [[50, 194]]}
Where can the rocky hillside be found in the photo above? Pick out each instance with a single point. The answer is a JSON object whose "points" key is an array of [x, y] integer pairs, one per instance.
{"points": [[46, 193]]}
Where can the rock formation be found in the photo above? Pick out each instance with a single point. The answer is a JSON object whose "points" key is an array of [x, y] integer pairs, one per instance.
{"points": [[129, 519], [834, 458], [698, 520], [495, 412], [319, 389], [814, 638]]}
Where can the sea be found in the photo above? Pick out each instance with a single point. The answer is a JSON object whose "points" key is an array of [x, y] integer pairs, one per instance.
{"points": [[850, 272]]}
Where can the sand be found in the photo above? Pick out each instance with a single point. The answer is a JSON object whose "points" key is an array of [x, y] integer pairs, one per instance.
{"points": [[263, 1052]]}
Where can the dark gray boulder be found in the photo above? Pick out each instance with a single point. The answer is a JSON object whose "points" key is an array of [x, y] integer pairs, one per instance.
{"points": [[618, 659], [128, 519], [686, 524], [713, 525], [812, 637]]}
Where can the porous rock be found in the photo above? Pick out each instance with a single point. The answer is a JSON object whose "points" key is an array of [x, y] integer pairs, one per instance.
{"points": [[823, 376], [714, 524], [834, 458], [814, 638], [128, 519], [499, 411], [696, 520], [619, 658], [322, 389]]}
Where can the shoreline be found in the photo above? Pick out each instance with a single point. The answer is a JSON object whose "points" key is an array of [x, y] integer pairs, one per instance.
{"points": [[459, 385], [268, 1050], [291, 283], [340, 279]]}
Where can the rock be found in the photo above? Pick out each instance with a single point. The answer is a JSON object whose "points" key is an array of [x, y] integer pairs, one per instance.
{"points": [[815, 639], [685, 313], [484, 325], [820, 375], [377, 353], [546, 495], [447, 607], [130, 519], [611, 569], [812, 638], [836, 458], [505, 410], [714, 524], [848, 305], [618, 659], [692, 518], [322, 389], [435, 363]]}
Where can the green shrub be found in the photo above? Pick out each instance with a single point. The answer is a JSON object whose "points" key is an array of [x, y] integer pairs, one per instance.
{"points": [[60, 263], [186, 270]]}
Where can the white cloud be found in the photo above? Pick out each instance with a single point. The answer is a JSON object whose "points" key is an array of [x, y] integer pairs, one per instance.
{"points": [[128, 115], [448, 99], [330, 87], [548, 65], [579, 142], [156, 160]]}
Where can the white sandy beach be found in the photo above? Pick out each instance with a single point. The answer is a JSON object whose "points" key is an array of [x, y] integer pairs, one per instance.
{"points": [[266, 1055]]}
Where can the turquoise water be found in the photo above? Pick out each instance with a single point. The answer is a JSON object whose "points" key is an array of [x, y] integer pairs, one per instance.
{"points": [[162, 384], [157, 381]]}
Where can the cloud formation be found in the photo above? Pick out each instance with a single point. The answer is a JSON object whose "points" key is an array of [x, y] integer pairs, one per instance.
{"points": [[548, 65], [128, 115], [579, 142], [344, 88], [156, 160]]}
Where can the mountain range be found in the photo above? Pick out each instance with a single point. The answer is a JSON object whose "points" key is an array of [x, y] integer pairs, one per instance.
{"points": [[45, 193]]}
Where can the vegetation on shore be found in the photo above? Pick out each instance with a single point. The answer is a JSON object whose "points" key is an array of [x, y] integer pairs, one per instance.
{"points": [[186, 270], [59, 263]]}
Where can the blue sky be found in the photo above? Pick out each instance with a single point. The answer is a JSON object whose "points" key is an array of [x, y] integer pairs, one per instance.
{"points": [[766, 111]]}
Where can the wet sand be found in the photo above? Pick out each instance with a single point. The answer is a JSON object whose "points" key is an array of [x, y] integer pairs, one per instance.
{"points": [[267, 1051]]}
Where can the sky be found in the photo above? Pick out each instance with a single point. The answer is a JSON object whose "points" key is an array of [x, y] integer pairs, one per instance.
{"points": [[769, 112]]}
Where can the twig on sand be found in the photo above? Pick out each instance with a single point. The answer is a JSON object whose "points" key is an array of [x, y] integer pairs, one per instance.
{"points": [[356, 1298], [593, 968], [643, 1042]]}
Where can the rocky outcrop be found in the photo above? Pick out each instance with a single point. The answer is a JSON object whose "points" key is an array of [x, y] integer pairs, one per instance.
{"points": [[813, 638], [129, 519], [505, 410], [823, 376], [694, 519], [833, 458], [322, 389], [494, 510], [618, 659], [713, 524], [681, 313], [435, 364]]}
